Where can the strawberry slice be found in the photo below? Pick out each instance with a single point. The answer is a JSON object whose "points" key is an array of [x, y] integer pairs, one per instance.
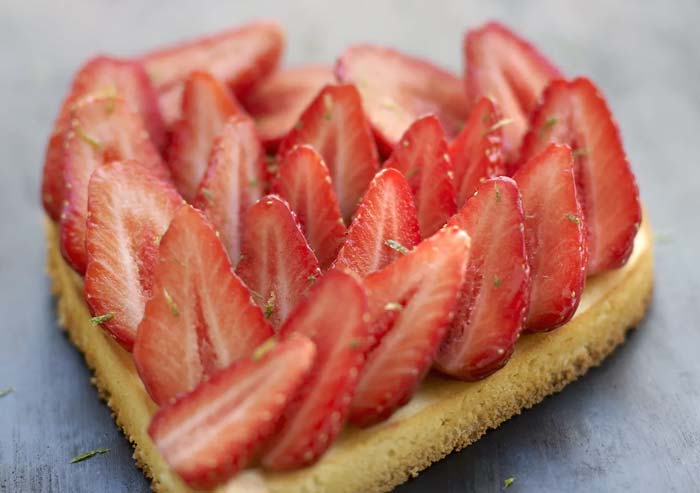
{"points": [[421, 156], [213, 432], [276, 262], [200, 318], [278, 101], [102, 129], [575, 113], [304, 182], [239, 57], [318, 412], [206, 106], [503, 66], [335, 126], [234, 180], [385, 226], [129, 209], [411, 303], [494, 297], [397, 88], [555, 236], [476, 152], [108, 76]]}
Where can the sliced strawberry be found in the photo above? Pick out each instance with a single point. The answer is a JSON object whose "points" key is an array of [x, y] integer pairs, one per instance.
{"points": [[234, 180], [503, 66], [129, 209], [421, 156], [411, 303], [239, 57], [107, 76], [278, 101], [575, 113], [318, 412], [494, 297], [304, 182], [385, 226], [335, 126], [200, 318], [476, 152], [102, 129], [555, 236], [213, 432], [206, 106], [397, 88], [276, 262]]}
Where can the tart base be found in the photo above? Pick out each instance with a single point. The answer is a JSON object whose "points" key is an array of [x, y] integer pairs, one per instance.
{"points": [[444, 415]]}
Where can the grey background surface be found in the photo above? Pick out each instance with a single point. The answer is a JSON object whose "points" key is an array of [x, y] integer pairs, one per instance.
{"points": [[633, 424]]}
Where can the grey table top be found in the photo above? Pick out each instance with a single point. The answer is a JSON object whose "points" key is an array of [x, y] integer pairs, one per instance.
{"points": [[632, 424]]}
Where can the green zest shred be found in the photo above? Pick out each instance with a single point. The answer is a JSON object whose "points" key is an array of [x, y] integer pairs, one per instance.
{"points": [[499, 124], [395, 245], [93, 142], [99, 319], [174, 309], [264, 348], [573, 218], [548, 124], [88, 455]]}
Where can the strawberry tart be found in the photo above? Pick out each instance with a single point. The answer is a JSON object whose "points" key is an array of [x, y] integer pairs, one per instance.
{"points": [[325, 278]]}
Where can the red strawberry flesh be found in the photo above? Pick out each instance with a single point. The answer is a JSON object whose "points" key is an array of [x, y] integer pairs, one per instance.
{"points": [[210, 434], [201, 317], [421, 155], [277, 102], [276, 263], [555, 236], [476, 152], [305, 183], [107, 76], [494, 297], [234, 180], [239, 57], [206, 106], [318, 412], [505, 67], [384, 226], [129, 209], [103, 129], [411, 303], [575, 113], [397, 88], [335, 126]]}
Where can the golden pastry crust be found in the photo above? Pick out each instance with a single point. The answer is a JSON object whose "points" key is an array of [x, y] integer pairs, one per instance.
{"points": [[444, 415]]}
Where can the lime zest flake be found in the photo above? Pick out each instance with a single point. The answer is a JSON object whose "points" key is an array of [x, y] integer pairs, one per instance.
{"points": [[573, 218], [208, 195], [89, 139], [581, 151], [87, 455], [548, 124], [269, 307], [395, 245], [6, 391], [174, 309], [499, 124], [508, 481], [264, 348], [100, 319], [497, 281]]}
